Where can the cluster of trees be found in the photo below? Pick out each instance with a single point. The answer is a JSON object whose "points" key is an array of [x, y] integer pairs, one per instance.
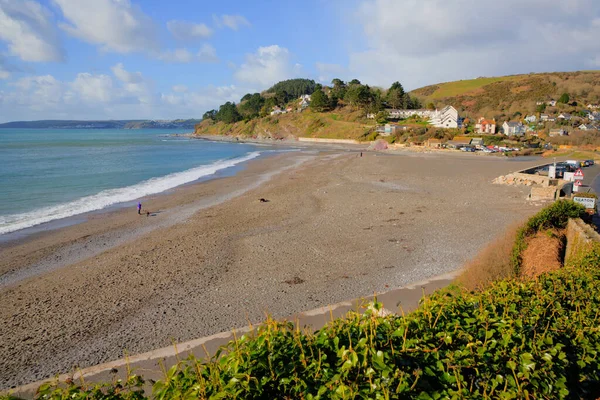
{"points": [[359, 96], [353, 94]]}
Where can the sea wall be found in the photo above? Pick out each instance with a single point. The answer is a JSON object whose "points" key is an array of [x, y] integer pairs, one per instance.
{"points": [[580, 238], [336, 141]]}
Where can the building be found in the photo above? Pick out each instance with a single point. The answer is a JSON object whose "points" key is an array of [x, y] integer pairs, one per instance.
{"points": [[487, 126], [531, 119], [458, 142], [586, 127], [477, 141], [513, 128], [593, 106], [433, 143], [594, 116], [304, 101], [447, 117], [557, 132], [402, 114], [277, 110], [389, 129], [370, 116], [564, 116], [544, 117], [551, 103]]}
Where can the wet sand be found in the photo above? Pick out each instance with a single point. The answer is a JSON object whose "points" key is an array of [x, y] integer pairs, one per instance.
{"points": [[213, 257]]}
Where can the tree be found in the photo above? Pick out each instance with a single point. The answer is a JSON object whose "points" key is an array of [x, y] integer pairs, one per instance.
{"points": [[319, 100], [541, 108], [267, 107], [396, 96], [210, 114], [564, 98], [354, 82], [246, 97], [430, 106], [282, 97], [338, 91], [251, 105], [228, 113], [357, 95], [294, 87]]}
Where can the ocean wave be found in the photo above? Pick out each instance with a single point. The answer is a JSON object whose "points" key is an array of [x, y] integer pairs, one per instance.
{"points": [[11, 223]]}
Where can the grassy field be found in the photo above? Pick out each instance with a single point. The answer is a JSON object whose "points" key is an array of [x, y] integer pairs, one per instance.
{"points": [[458, 88]]}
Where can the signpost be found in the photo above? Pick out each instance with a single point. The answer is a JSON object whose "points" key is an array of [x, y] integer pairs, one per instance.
{"points": [[587, 202], [578, 174], [576, 186]]}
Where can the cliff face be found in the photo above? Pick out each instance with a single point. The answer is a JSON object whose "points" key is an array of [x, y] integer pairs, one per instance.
{"points": [[335, 125]]}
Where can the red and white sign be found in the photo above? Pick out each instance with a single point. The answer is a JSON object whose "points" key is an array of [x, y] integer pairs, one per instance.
{"points": [[578, 174], [578, 183]]}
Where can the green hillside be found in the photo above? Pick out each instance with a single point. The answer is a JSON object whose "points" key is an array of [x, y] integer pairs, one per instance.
{"points": [[504, 96]]}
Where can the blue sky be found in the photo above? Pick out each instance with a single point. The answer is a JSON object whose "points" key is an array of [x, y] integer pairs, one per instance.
{"points": [[99, 59]]}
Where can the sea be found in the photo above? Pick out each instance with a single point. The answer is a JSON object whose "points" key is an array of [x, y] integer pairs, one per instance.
{"points": [[51, 174]]}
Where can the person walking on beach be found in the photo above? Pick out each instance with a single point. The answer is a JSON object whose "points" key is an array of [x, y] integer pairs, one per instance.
{"points": [[139, 208]]}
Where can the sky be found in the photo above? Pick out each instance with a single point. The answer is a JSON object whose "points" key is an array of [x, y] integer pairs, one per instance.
{"points": [[156, 59]]}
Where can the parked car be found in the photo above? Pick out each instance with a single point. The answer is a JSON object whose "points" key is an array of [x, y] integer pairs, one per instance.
{"points": [[588, 163], [468, 149]]}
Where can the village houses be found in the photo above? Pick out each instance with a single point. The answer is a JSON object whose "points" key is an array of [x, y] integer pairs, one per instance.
{"points": [[447, 117], [487, 126], [531, 119], [513, 128], [586, 127]]}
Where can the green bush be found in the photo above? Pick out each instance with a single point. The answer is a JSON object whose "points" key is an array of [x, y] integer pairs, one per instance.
{"points": [[554, 216], [533, 339]]}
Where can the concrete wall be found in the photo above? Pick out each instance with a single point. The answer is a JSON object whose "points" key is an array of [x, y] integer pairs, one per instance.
{"points": [[580, 238], [339, 141]]}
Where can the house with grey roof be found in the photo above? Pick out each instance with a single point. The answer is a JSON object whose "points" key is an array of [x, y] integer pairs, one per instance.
{"points": [[513, 128]]}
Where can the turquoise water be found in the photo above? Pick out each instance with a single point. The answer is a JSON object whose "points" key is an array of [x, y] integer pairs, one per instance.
{"points": [[47, 175]]}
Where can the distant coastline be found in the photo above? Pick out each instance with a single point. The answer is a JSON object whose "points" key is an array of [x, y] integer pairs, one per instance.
{"points": [[109, 124]]}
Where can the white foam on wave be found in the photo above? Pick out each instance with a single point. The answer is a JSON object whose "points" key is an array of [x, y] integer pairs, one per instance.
{"points": [[11, 223]]}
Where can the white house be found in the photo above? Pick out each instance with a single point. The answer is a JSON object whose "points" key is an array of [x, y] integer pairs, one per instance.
{"points": [[447, 117], [565, 116], [531, 119], [487, 126], [277, 110], [304, 101], [593, 106], [513, 128]]}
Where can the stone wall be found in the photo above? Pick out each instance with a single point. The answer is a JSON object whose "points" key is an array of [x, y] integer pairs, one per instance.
{"points": [[580, 238]]}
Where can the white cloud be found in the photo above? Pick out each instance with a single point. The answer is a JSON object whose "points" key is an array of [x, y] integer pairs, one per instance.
{"points": [[177, 56], [125, 76], [27, 27], [438, 40], [93, 88], [234, 22], [186, 31], [121, 95], [207, 53], [267, 66], [114, 25]]}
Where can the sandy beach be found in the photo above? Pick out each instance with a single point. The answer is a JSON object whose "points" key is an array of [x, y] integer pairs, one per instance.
{"points": [[212, 257]]}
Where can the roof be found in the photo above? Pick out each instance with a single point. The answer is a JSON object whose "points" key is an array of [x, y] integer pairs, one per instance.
{"points": [[461, 140], [555, 130]]}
